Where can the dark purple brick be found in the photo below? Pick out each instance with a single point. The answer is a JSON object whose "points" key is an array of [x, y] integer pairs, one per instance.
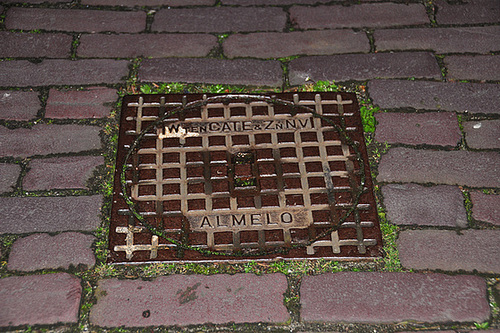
{"points": [[356, 16], [486, 207], [36, 1], [473, 67], [272, 2], [370, 297], [42, 251], [482, 134], [146, 45], [26, 45], [475, 169], [49, 214], [133, 3], [449, 251], [441, 40], [345, 67], [418, 128], [275, 44], [470, 12], [23, 73], [75, 20], [448, 96], [191, 299], [410, 204], [8, 176], [60, 172], [19, 105], [80, 104], [240, 71], [39, 299], [220, 19], [48, 139]]}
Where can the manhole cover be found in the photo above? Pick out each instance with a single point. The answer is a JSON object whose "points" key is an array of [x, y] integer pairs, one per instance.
{"points": [[242, 177]]}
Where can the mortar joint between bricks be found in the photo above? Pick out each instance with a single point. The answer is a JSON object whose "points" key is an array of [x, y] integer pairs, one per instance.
{"points": [[150, 16]]}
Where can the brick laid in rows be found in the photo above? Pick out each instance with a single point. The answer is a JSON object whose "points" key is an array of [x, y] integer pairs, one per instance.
{"points": [[8, 176], [92, 102], [480, 67], [75, 20], [449, 251], [133, 3], [190, 299], [482, 134], [272, 2], [486, 207], [469, 12], [448, 96], [42, 251], [48, 139], [146, 45], [60, 172], [345, 67], [357, 16], [220, 19], [411, 204], [475, 169], [441, 40], [240, 71], [418, 128], [275, 44], [36, 1], [23, 73], [39, 299], [369, 297], [27, 45], [49, 214], [19, 105]]}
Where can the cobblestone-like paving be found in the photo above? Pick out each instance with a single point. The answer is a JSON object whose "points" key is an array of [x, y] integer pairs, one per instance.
{"points": [[431, 66]]}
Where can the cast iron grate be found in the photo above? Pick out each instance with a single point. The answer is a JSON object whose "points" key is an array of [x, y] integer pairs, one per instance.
{"points": [[242, 177]]}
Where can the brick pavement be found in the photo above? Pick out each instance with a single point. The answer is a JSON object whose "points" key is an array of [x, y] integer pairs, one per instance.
{"points": [[431, 67]]}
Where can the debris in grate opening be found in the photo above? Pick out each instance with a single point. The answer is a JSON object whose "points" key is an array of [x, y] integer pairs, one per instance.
{"points": [[242, 177]]}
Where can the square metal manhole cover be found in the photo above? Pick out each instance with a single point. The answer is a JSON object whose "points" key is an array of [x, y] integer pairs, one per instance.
{"points": [[242, 177]]}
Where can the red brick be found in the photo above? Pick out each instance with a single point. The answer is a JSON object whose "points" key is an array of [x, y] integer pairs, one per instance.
{"points": [[49, 214], [146, 45], [220, 19], [482, 134], [149, 3], [449, 96], [190, 299], [9, 173], [32, 45], [48, 139], [361, 67], [19, 105], [473, 67], [75, 20], [372, 297], [42, 251], [450, 251], [23, 73], [60, 172], [357, 16], [486, 207], [411, 204], [92, 102], [440, 40], [240, 71], [475, 169], [429, 128], [469, 12], [276, 45], [39, 299]]}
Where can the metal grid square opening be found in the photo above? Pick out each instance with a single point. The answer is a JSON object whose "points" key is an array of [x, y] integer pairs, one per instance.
{"points": [[242, 177]]}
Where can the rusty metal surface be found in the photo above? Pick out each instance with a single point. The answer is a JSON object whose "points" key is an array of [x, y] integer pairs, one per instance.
{"points": [[242, 177]]}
